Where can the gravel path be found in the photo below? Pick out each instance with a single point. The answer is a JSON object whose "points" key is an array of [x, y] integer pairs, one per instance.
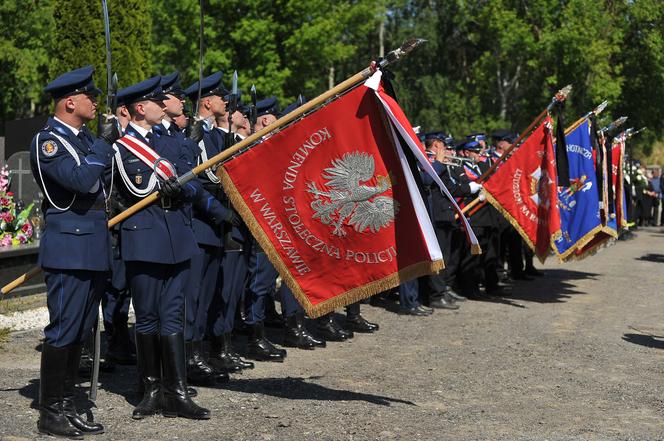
{"points": [[559, 359]]}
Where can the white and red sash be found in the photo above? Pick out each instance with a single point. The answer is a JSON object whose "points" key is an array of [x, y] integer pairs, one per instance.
{"points": [[148, 156]]}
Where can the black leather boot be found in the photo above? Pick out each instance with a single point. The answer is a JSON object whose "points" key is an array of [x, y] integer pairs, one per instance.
{"points": [[224, 358], [297, 336], [176, 400], [71, 375], [272, 318], [52, 418], [199, 372], [355, 322], [149, 373], [260, 348], [228, 344], [121, 350], [329, 330]]}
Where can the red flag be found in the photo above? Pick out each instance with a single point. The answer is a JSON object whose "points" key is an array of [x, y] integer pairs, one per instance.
{"points": [[330, 202], [618, 152], [524, 190]]}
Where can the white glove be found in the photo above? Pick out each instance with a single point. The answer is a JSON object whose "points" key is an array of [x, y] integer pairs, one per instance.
{"points": [[474, 187], [482, 196]]}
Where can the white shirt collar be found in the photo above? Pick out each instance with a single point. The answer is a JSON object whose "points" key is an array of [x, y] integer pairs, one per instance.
{"points": [[223, 129], [73, 129], [166, 123], [141, 131]]}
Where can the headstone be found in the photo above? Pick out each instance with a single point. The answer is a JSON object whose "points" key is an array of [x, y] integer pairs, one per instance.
{"points": [[22, 183], [19, 133], [2, 151]]}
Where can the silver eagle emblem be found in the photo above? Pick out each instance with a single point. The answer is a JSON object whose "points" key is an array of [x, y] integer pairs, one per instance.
{"points": [[347, 200]]}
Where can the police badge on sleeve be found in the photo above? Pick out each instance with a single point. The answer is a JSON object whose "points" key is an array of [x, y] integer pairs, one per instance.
{"points": [[49, 148]]}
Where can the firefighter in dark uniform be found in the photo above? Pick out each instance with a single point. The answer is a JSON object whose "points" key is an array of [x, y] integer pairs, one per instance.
{"points": [[75, 249], [449, 234], [483, 267], [156, 245]]}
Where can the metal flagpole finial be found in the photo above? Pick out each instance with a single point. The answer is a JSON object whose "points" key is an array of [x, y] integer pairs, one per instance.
{"points": [[615, 124], [560, 96], [407, 47], [563, 93], [599, 109], [631, 132]]}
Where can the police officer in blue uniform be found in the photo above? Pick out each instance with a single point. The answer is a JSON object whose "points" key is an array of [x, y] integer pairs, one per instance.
{"points": [[116, 299], [210, 236], [156, 245], [75, 249], [210, 220], [261, 284]]}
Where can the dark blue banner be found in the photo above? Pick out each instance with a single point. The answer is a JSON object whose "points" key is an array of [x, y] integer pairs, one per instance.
{"points": [[578, 204]]}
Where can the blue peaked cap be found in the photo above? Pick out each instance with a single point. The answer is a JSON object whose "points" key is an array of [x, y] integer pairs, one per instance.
{"points": [[434, 135], [478, 136], [289, 108], [149, 89], [170, 84], [267, 106], [210, 85], [473, 146], [72, 83]]}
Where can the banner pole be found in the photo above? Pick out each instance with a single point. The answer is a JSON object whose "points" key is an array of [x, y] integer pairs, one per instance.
{"points": [[390, 58]]}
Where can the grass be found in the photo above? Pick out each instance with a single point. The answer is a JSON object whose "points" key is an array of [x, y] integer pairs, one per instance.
{"points": [[4, 336]]}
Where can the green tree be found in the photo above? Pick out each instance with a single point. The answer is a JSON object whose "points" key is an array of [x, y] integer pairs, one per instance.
{"points": [[642, 97], [26, 36], [80, 39], [284, 47]]}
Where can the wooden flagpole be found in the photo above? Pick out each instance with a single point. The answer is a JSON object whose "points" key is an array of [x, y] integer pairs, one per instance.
{"points": [[390, 58]]}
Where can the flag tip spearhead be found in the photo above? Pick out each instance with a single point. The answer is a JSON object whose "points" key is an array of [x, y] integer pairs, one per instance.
{"points": [[410, 44], [564, 93], [407, 47], [599, 109]]}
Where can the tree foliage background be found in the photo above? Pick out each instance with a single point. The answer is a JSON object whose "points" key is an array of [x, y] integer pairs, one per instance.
{"points": [[487, 63]]}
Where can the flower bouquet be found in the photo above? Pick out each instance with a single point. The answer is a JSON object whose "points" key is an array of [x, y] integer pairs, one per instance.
{"points": [[15, 228]]}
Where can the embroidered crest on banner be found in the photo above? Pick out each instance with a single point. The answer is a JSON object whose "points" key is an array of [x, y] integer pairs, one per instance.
{"points": [[349, 199], [49, 148]]}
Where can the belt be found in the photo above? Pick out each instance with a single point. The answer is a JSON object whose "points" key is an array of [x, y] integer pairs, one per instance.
{"points": [[82, 205]]}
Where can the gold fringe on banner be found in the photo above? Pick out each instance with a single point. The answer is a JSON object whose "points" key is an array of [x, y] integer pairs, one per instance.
{"points": [[346, 298], [579, 244], [606, 241]]}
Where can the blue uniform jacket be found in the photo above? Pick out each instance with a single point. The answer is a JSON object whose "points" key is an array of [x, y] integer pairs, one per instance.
{"points": [[78, 237], [156, 234], [207, 231], [209, 212]]}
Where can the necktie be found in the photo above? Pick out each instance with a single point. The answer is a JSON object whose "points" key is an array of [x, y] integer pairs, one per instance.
{"points": [[84, 140]]}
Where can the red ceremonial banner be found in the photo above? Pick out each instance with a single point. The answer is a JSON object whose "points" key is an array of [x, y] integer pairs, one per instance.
{"points": [[617, 162], [328, 200], [524, 190]]}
